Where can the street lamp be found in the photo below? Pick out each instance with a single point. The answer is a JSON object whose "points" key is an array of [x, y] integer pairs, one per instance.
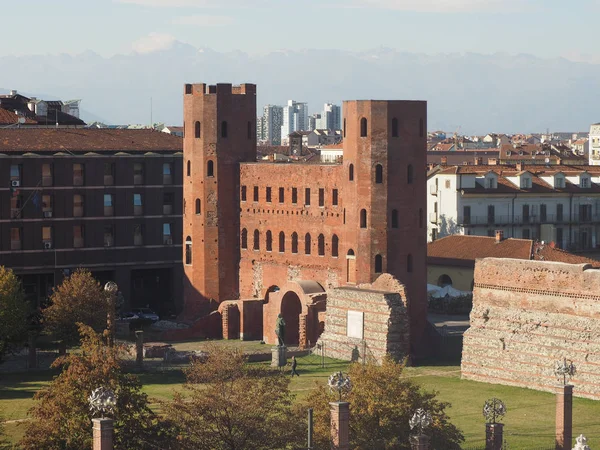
{"points": [[111, 289]]}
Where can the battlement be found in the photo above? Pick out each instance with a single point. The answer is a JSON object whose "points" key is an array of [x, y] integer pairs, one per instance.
{"points": [[220, 88]]}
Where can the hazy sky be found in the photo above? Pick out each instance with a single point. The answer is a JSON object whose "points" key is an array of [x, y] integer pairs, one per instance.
{"points": [[545, 28]]}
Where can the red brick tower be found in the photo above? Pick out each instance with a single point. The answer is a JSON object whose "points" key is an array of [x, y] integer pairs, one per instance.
{"points": [[220, 133], [385, 161]]}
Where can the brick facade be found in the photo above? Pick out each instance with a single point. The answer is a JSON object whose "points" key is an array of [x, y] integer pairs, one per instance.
{"points": [[267, 224], [526, 316]]}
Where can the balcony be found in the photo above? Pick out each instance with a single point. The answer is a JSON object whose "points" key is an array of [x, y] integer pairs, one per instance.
{"points": [[500, 220], [433, 189], [433, 217]]}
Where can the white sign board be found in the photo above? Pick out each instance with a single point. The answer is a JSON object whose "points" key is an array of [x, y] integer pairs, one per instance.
{"points": [[355, 324]]}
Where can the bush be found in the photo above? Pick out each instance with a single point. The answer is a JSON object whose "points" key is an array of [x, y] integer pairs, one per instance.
{"points": [[14, 311]]}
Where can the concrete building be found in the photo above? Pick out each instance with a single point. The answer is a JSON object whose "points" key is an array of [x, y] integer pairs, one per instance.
{"points": [[559, 204], [269, 130], [295, 118], [273, 237], [330, 118], [594, 145], [106, 200]]}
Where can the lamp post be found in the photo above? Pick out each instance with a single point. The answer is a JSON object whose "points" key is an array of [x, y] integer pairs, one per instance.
{"points": [[102, 402], [111, 289], [340, 411], [564, 371]]}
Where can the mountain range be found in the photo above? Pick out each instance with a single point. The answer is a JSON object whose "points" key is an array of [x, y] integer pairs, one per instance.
{"points": [[476, 92]]}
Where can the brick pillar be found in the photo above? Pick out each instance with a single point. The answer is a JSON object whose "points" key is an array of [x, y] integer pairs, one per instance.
{"points": [[303, 334], [225, 321], [103, 434], [340, 425], [493, 436], [139, 348], [564, 417], [419, 442]]}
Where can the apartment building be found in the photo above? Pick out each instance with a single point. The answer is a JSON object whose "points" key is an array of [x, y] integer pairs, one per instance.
{"points": [[106, 200], [559, 204]]}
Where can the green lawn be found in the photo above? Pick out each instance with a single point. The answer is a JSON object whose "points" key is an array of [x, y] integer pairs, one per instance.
{"points": [[529, 422]]}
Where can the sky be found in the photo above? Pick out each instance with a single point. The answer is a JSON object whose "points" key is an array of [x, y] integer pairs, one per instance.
{"points": [[544, 28]]}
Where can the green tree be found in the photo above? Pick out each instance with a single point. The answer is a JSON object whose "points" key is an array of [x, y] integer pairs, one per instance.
{"points": [[381, 405], [14, 311], [237, 407], [78, 299], [61, 415]]}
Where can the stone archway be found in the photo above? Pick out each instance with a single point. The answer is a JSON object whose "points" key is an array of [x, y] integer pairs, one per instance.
{"points": [[291, 308]]}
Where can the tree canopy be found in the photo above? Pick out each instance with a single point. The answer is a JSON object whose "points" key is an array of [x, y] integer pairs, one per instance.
{"points": [[238, 406], [381, 405], [78, 299], [14, 310], [62, 417]]}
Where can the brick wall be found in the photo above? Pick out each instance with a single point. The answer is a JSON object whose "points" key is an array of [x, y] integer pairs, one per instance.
{"points": [[526, 316]]}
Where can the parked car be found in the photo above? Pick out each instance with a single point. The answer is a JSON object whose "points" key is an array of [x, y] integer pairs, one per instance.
{"points": [[128, 317], [146, 314]]}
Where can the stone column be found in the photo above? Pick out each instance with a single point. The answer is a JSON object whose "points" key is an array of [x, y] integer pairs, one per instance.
{"points": [[139, 348], [564, 417], [419, 442], [32, 354], [340, 425], [302, 332], [493, 436], [103, 434]]}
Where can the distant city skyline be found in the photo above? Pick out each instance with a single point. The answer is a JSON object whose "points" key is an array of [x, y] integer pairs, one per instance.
{"points": [[424, 26]]}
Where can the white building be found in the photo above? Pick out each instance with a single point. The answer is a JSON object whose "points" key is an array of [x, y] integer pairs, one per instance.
{"points": [[330, 118], [295, 118], [332, 153], [594, 145], [560, 204]]}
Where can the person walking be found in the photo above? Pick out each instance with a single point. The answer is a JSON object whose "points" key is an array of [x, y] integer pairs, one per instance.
{"points": [[294, 365]]}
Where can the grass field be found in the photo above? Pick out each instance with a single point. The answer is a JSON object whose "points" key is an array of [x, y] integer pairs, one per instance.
{"points": [[529, 423]]}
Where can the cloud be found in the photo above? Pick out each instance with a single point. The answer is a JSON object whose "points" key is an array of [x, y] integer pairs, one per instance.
{"points": [[203, 20], [444, 6], [153, 42]]}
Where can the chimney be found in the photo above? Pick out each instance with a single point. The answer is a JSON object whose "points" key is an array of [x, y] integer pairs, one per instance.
{"points": [[444, 160], [13, 92], [499, 236], [520, 166]]}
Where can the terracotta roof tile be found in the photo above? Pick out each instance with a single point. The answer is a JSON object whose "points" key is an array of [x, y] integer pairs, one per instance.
{"points": [[469, 248], [9, 117], [85, 140]]}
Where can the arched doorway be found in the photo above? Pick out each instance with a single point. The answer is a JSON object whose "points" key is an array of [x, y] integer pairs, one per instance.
{"points": [[444, 280], [291, 308]]}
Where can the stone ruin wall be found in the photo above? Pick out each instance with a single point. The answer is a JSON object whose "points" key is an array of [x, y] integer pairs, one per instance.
{"points": [[526, 316], [386, 324]]}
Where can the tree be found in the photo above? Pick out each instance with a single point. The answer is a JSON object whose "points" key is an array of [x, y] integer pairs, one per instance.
{"points": [[237, 407], [381, 405], [14, 310], [62, 418], [78, 299]]}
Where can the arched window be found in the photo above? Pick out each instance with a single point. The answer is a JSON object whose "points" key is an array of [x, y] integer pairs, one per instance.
{"points": [[334, 246], [244, 239], [269, 241], [249, 130], [421, 128], [350, 253], [409, 263], [378, 174], [210, 168], [197, 130], [188, 250], [394, 218], [394, 127], [344, 127], [363, 218], [444, 280], [378, 264], [256, 245], [409, 174], [189, 168], [198, 206], [281, 242], [420, 217], [363, 127], [321, 245], [294, 242], [224, 129], [351, 172], [307, 244]]}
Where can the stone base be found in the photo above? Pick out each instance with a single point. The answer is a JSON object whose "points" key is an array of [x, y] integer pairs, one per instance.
{"points": [[278, 356], [102, 434], [419, 442]]}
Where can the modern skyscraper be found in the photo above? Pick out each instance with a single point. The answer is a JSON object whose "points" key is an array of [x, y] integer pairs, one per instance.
{"points": [[271, 123], [295, 118], [330, 117]]}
